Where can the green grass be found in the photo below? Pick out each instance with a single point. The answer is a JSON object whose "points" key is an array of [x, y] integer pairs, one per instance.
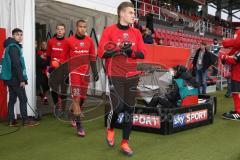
{"points": [[54, 140]]}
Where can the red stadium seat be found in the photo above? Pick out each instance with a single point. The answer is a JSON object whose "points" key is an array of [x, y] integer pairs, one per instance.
{"points": [[156, 9], [148, 7]]}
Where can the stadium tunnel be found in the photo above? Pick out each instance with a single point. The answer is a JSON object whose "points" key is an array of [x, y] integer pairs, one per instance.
{"points": [[38, 18], [98, 14]]}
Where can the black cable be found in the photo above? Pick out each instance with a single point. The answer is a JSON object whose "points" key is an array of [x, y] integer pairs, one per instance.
{"points": [[19, 127], [7, 133]]}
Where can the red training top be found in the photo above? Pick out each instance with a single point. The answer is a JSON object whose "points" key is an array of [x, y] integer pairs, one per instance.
{"points": [[82, 48], [235, 45], [121, 66], [58, 49]]}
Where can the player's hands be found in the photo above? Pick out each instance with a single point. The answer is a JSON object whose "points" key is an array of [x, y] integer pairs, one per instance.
{"points": [[237, 56], [22, 84], [223, 58], [42, 56], [111, 49], [125, 48], [128, 52]]}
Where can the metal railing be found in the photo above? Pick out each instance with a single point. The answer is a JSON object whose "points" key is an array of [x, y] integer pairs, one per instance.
{"points": [[160, 13], [200, 26], [143, 8]]}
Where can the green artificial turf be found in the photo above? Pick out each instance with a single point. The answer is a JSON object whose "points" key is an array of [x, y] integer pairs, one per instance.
{"points": [[54, 140]]}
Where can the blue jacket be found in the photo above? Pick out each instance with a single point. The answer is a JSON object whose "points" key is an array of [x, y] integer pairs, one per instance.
{"points": [[13, 69], [185, 89]]}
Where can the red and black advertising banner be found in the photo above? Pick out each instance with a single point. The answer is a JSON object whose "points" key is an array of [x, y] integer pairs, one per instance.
{"points": [[3, 88], [203, 2]]}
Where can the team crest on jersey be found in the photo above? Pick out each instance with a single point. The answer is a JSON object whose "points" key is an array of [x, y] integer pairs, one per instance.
{"points": [[125, 36], [59, 43], [81, 44], [75, 45]]}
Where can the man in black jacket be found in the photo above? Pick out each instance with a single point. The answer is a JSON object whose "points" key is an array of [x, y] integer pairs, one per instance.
{"points": [[16, 85], [42, 62], [147, 36], [149, 21], [201, 62]]}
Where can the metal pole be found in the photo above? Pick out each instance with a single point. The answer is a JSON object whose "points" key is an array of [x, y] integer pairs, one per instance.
{"points": [[136, 6], [159, 13], [144, 8]]}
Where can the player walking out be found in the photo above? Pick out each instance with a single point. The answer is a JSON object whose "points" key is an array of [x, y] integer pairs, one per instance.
{"points": [[121, 70], [81, 48], [57, 50], [233, 59]]}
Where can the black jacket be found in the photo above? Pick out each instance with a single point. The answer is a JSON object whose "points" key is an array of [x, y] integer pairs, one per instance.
{"points": [[148, 39], [17, 72], [149, 21], [41, 65], [207, 59]]}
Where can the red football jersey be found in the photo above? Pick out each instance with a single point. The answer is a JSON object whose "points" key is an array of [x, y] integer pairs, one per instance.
{"points": [[83, 49], [235, 45], [121, 65], [58, 49], [43, 54]]}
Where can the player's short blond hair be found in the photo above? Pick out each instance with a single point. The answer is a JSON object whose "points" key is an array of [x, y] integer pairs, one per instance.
{"points": [[122, 6]]}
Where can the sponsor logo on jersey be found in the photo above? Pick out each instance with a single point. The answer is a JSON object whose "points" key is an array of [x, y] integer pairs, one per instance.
{"points": [[189, 118], [81, 51], [57, 49], [146, 121]]}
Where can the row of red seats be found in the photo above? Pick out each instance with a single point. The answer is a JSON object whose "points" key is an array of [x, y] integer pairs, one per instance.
{"points": [[179, 39]]}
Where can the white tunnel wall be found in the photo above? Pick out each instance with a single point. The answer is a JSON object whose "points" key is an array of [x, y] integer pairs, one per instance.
{"points": [[15, 13]]}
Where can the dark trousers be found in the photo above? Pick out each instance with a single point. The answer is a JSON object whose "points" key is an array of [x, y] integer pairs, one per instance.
{"points": [[122, 94], [60, 89], [14, 93], [229, 92], [63, 95], [42, 83], [162, 101], [201, 78]]}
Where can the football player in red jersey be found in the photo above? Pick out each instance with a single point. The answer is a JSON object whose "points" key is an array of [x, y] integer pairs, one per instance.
{"points": [[233, 59], [121, 66], [58, 50], [41, 72], [43, 50], [82, 48]]}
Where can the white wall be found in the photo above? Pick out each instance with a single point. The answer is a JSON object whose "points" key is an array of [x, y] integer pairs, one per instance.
{"points": [[20, 13]]}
